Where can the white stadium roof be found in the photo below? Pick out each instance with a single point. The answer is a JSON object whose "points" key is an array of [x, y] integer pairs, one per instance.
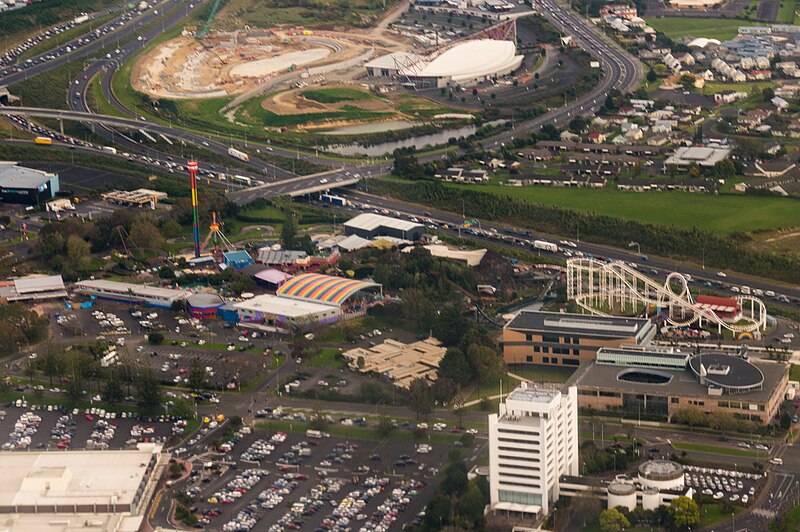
{"points": [[465, 61]]}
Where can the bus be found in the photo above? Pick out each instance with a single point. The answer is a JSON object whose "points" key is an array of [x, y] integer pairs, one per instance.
{"points": [[47, 141], [243, 179]]}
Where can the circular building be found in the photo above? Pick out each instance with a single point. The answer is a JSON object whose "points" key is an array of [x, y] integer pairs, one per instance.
{"points": [[204, 306], [661, 475], [730, 373], [622, 494], [651, 499]]}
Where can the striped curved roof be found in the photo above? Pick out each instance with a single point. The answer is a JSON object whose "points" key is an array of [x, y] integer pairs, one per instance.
{"points": [[322, 288]]}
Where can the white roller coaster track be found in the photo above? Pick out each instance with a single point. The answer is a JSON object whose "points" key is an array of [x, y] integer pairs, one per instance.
{"points": [[591, 282]]}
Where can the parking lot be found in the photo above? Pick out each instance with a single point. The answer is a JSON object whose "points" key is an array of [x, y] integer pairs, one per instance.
{"points": [[268, 480], [734, 486], [30, 427], [230, 359]]}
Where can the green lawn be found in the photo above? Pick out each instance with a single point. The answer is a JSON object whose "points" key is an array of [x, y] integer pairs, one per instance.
{"points": [[711, 28], [714, 449], [335, 94], [327, 359], [787, 11], [540, 373], [792, 516], [712, 87], [269, 13], [722, 214], [794, 373], [712, 513]]}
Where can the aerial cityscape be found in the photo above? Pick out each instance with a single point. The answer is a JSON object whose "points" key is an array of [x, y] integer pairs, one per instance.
{"points": [[416, 265]]}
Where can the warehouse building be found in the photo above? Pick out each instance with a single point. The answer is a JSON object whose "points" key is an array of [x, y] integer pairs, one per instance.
{"points": [[657, 382], [20, 184], [370, 226], [130, 293], [553, 338], [32, 288], [283, 313], [68, 490]]}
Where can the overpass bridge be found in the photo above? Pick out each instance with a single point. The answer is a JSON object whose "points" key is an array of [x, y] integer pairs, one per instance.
{"points": [[297, 186]]}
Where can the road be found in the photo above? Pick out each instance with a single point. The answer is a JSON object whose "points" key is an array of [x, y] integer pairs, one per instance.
{"points": [[131, 27]]}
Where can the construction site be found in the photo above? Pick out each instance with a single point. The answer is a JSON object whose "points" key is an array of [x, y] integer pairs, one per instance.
{"points": [[232, 63]]}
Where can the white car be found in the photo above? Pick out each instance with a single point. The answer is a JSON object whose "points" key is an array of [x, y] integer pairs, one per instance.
{"points": [[722, 274]]}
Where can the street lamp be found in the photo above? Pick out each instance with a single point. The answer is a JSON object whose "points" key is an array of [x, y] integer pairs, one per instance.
{"points": [[638, 247]]}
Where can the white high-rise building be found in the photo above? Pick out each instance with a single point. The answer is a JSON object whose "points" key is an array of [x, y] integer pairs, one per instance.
{"points": [[533, 441]]}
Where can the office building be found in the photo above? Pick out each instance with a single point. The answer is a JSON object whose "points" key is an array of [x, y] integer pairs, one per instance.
{"points": [[533, 442], [538, 337], [658, 382], [19, 184]]}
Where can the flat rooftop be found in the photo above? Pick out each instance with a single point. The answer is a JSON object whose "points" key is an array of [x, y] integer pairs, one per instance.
{"points": [[70, 478], [369, 222], [534, 393], [726, 371], [282, 306], [34, 287], [14, 176], [683, 382], [578, 324], [126, 288]]}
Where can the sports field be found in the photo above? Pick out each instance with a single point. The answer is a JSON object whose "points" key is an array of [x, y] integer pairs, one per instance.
{"points": [[710, 28], [723, 214]]}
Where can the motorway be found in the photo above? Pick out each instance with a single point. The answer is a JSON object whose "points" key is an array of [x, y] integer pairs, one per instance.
{"points": [[658, 264], [620, 70]]}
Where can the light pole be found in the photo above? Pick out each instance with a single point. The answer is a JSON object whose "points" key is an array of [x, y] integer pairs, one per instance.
{"points": [[638, 247]]}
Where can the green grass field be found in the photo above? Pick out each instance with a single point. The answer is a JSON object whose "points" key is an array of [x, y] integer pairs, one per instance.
{"points": [[711, 28], [713, 449], [794, 372], [335, 95], [712, 87], [722, 214], [269, 13], [786, 13]]}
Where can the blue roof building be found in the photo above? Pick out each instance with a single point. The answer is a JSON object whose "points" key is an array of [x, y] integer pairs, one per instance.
{"points": [[237, 259]]}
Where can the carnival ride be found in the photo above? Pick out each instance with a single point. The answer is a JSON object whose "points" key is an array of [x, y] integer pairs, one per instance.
{"points": [[598, 287]]}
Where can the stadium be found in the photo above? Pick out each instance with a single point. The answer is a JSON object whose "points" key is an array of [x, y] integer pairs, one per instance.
{"points": [[485, 55]]}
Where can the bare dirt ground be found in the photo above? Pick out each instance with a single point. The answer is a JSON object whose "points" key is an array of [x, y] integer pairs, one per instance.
{"points": [[233, 63], [292, 102]]}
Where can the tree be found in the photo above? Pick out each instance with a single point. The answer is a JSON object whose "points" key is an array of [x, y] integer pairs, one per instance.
{"points": [[51, 362], [78, 252], [289, 231], [651, 75], [197, 375], [548, 132], [420, 398], [454, 365], [155, 337], [612, 520], [112, 391], [485, 363], [684, 512], [455, 478], [470, 507], [385, 426], [768, 94], [687, 80], [578, 124], [437, 512], [458, 406], [149, 391], [145, 235], [748, 148], [418, 309], [450, 325]]}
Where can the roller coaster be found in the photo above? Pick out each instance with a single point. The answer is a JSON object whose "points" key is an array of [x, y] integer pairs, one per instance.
{"points": [[598, 286]]}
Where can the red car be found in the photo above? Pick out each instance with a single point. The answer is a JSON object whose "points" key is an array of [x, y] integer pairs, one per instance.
{"points": [[89, 417]]}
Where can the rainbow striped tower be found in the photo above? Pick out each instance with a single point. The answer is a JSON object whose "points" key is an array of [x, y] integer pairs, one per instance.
{"points": [[195, 225]]}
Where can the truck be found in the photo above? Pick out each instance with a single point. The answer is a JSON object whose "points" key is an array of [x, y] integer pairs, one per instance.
{"points": [[242, 156], [47, 141], [544, 245], [110, 149], [305, 451], [333, 200], [83, 17], [318, 434]]}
